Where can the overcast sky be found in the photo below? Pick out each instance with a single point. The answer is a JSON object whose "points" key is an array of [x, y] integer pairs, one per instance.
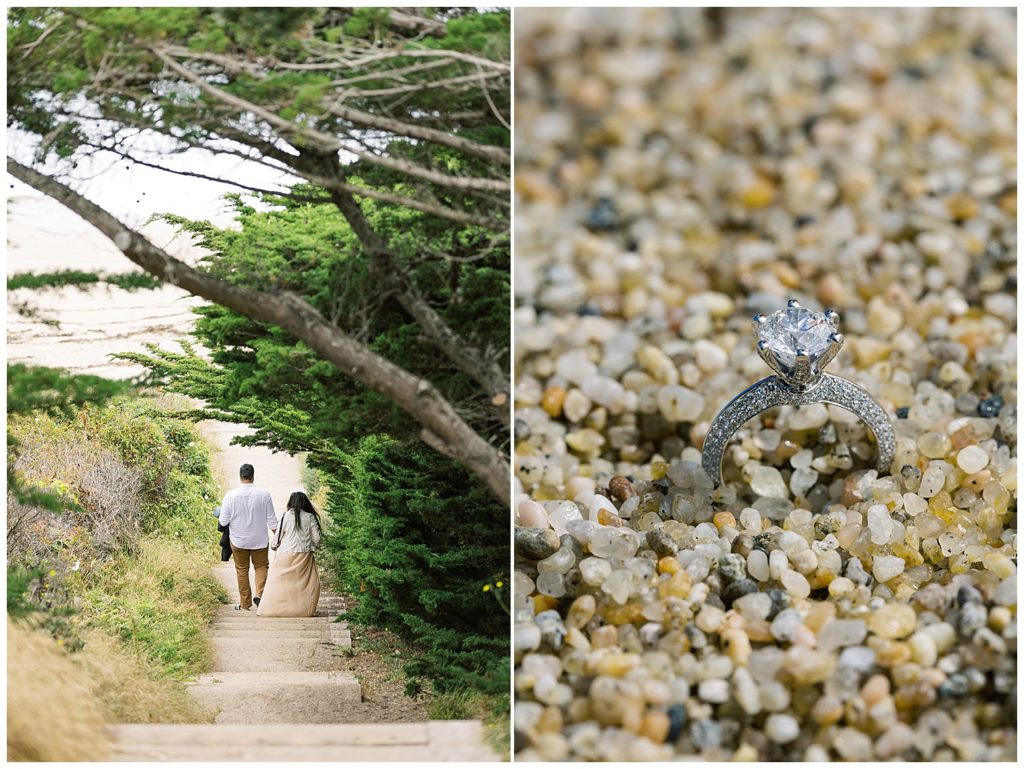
{"points": [[133, 192]]}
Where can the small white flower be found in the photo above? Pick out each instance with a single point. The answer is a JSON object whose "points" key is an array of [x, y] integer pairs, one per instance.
{"points": [[76, 566]]}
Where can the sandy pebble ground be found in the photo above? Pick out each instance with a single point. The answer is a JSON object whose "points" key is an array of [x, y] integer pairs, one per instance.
{"points": [[677, 171]]}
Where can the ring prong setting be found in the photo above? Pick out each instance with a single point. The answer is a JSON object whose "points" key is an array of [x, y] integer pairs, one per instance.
{"points": [[797, 343]]}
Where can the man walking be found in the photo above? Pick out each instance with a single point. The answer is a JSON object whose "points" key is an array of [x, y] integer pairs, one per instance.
{"points": [[248, 511]]}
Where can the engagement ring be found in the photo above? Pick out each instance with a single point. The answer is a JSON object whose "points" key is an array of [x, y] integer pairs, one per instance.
{"points": [[797, 344]]}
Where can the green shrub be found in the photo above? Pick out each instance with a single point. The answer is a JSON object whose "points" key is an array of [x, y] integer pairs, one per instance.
{"points": [[136, 567], [415, 540]]}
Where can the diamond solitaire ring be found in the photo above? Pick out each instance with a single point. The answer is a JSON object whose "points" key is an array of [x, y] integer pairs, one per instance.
{"points": [[797, 344]]}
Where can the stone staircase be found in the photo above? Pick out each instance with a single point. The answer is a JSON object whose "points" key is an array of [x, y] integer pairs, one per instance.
{"points": [[430, 741], [279, 696]]}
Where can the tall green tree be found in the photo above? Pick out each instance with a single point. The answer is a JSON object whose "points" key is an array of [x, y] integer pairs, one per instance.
{"points": [[397, 121]]}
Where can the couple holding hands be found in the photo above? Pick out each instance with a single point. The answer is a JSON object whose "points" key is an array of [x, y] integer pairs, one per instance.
{"points": [[250, 526]]}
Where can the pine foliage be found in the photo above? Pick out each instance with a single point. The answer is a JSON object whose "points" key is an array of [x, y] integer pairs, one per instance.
{"points": [[416, 540]]}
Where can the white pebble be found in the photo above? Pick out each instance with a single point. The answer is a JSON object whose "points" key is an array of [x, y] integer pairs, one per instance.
{"points": [[914, 504], [713, 690], [710, 357], [885, 567], [680, 404], [767, 482], [750, 519], [837, 633], [802, 459], [754, 605], [777, 563], [781, 728], [932, 481], [972, 459], [796, 583], [923, 648], [808, 417], [746, 692], [785, 624], [576, 406], [880, 523]]}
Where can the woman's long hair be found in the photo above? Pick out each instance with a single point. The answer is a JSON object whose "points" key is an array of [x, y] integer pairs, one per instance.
{"points": [[299, 502]]}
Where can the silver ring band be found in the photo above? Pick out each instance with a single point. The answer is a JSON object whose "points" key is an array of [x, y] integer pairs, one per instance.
{"points": [[772, 392]]}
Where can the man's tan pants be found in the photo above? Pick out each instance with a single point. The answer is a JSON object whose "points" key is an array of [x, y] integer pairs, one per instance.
{"points": [[261, 562]]}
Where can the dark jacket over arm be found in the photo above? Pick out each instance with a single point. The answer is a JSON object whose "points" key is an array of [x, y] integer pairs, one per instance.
{"points": [[225, 542]]}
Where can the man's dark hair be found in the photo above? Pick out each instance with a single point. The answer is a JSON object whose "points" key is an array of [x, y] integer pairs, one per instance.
{"points": [[246, 473]]}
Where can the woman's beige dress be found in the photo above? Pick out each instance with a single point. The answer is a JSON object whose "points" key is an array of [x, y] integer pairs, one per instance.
{"points": [[293, 585]]}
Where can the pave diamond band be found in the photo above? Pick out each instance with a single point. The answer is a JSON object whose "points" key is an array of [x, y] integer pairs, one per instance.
{"points": [[797, 344], [771, 392]]}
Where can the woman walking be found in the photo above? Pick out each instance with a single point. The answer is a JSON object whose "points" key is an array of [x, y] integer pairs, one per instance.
{"points": [[293, 586]]}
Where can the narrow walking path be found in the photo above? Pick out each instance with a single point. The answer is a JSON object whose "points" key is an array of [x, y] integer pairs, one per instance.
{"points": [[289, 689]]}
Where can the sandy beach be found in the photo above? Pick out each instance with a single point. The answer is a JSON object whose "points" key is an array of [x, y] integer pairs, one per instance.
{"points": [[42, 236]]}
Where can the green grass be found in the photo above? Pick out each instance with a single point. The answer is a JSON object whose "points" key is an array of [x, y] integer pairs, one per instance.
{"points": [[464, 704], [158, 604]]}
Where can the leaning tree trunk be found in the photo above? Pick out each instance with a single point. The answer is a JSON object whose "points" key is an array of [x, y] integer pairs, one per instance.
{"points": [[442, 427]]}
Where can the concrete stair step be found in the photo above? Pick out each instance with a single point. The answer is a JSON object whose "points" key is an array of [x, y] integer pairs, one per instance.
{"points": [[426, 741], [253, 617], [228, 611], [245, 633], [254, 698], [318, 623], [309, 678], [268, 655]]}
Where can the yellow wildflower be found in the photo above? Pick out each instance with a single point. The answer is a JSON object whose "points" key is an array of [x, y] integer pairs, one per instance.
{"points": [[487, 587]]}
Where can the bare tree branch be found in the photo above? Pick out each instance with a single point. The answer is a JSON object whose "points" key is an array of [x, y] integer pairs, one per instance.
{"points": [[327, 142], [466, 357]]}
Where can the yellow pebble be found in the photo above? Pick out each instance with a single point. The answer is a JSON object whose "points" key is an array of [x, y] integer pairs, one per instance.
{"points": [[678, 586], [604, 637], [875, 688], [1008, 203], [669, 565], [575, 638], [999, 618], [723, 519], [550, 720], [962, 206], [827, 710], [544, 603], [606, 517], [757, 194], [655, 726], [999, 564], [745, 752], [737, 646], [630, 614], [552, 400], [959, 564], [581, 611], [758, 630], [840, 586], [820, 613], [889, 654], [616, 664]]}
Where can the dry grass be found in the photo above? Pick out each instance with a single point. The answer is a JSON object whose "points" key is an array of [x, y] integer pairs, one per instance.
{"points": [[127, 691], [52, 714]]}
